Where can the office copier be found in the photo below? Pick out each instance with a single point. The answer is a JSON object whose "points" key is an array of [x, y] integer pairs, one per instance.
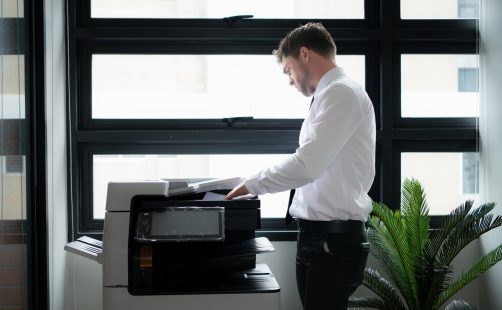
{"points": [[179, 245]]}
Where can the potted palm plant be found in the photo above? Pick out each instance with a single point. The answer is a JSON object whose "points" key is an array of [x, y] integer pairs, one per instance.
{"points": [[417, 261]]}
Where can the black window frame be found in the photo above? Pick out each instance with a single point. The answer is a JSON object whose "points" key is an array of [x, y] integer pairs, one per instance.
{"points": [[381, 37]]}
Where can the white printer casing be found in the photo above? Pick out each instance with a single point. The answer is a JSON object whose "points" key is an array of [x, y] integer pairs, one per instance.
{"points": [[115, 259]]}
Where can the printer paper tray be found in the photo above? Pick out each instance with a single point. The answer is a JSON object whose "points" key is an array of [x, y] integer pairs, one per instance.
{"points": [[241, 254], [246, 247], [250, 280]]}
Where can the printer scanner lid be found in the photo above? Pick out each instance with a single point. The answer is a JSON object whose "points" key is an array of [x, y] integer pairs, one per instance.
{"points": [[119, 194]]}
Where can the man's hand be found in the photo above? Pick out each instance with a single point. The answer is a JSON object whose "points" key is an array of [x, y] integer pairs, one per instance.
{"points": [[239, 190]]}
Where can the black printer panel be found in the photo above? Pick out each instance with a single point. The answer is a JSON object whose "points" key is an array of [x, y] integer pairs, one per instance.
{"points": [[177, 267]]}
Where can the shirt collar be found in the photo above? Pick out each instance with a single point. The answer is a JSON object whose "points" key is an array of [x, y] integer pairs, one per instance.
{"points": [[333, 74]]}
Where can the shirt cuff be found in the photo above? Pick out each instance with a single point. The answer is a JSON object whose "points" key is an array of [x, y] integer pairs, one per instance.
{"points": [[253, 186]]}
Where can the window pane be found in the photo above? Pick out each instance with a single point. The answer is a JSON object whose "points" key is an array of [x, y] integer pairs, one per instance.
{"points": [[12, 103], [13, 186], [353, 9], [199, 86], [444, 9], [12, 8], [108, 168], [468, 80], [449, 179], [14, 165], [439, 86]]}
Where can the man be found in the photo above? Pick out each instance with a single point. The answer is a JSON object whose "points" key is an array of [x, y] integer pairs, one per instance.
{"points": [[332, 171]]}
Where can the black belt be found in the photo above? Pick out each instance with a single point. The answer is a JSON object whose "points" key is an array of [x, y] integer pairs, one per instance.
{"points": [[330, 227]]}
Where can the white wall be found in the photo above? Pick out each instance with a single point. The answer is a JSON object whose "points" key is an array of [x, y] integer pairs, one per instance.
{"points": [[491, 140]]}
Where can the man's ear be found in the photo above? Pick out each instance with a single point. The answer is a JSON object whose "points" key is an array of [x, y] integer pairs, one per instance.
{"points": [[304, 53]]}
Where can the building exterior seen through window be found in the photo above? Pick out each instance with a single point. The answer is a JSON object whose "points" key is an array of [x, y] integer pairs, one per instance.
{"points": [[318, 9], [14, 165], [12, 115], [199, 86], [449, 179], [445, 9], [439, 85]]}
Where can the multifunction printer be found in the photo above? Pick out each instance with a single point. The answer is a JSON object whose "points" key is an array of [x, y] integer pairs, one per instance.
{"points": [[176, 244]]}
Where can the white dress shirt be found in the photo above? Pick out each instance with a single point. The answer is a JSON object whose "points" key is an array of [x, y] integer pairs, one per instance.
{"points": [[334, 165]]}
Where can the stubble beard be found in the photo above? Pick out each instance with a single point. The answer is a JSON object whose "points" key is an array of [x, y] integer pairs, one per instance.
{"points": [[303, 83]]}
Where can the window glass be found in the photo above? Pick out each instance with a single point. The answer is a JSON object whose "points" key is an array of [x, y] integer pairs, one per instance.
{"points": [[199, 86], [468, 80], [13, 185], [353, 9], [12, 8], [12, 131], [449, 179], [470, 173], [439, 85], [468, 8], [444, 9], [108, 168], [12, 103], [14, 165]]}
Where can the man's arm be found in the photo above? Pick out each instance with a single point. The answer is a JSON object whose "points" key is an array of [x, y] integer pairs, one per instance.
{"points": [[336, 118]]}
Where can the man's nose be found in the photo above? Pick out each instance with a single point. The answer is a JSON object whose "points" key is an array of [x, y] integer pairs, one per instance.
{"points": [[291, 82]]}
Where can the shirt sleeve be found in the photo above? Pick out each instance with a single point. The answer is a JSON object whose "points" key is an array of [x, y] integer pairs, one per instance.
{"points": [[334, 119]]}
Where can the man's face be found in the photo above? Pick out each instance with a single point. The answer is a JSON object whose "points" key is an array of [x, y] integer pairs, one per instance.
{"points": [[298, 73]]}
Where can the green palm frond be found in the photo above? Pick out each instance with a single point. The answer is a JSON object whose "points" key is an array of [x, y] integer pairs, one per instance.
{"points": [[470, 229], [367, 302], [383, 247], [416, 227], [433, 282], [479, 267], [415, 213], [417, 260], [447, 225], [461, 227], [380, 286], [435, 275], [389, 226], [388, 295]]}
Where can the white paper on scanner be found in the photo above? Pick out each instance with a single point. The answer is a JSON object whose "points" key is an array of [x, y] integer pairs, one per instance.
{"points": [[206, 186]]}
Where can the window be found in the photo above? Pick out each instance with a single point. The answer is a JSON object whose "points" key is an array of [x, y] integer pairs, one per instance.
{"points": [[468, 8], [468, 80], [218, 8], [181, 89], [197, 86], [470, 173], [108, 168], [14, 165], [437, 85], [447, 9], [448, 178]]}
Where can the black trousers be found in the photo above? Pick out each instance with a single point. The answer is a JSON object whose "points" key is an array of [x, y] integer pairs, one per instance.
{"points": [[329, 268]]}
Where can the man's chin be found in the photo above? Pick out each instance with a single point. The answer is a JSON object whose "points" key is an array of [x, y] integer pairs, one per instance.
{"points": [[307, 94]]}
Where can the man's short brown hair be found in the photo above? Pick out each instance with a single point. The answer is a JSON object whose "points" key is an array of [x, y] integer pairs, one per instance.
{"points": [[312, 35]]}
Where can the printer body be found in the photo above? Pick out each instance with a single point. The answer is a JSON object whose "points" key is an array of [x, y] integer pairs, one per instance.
{"points": [[183, 252]]}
